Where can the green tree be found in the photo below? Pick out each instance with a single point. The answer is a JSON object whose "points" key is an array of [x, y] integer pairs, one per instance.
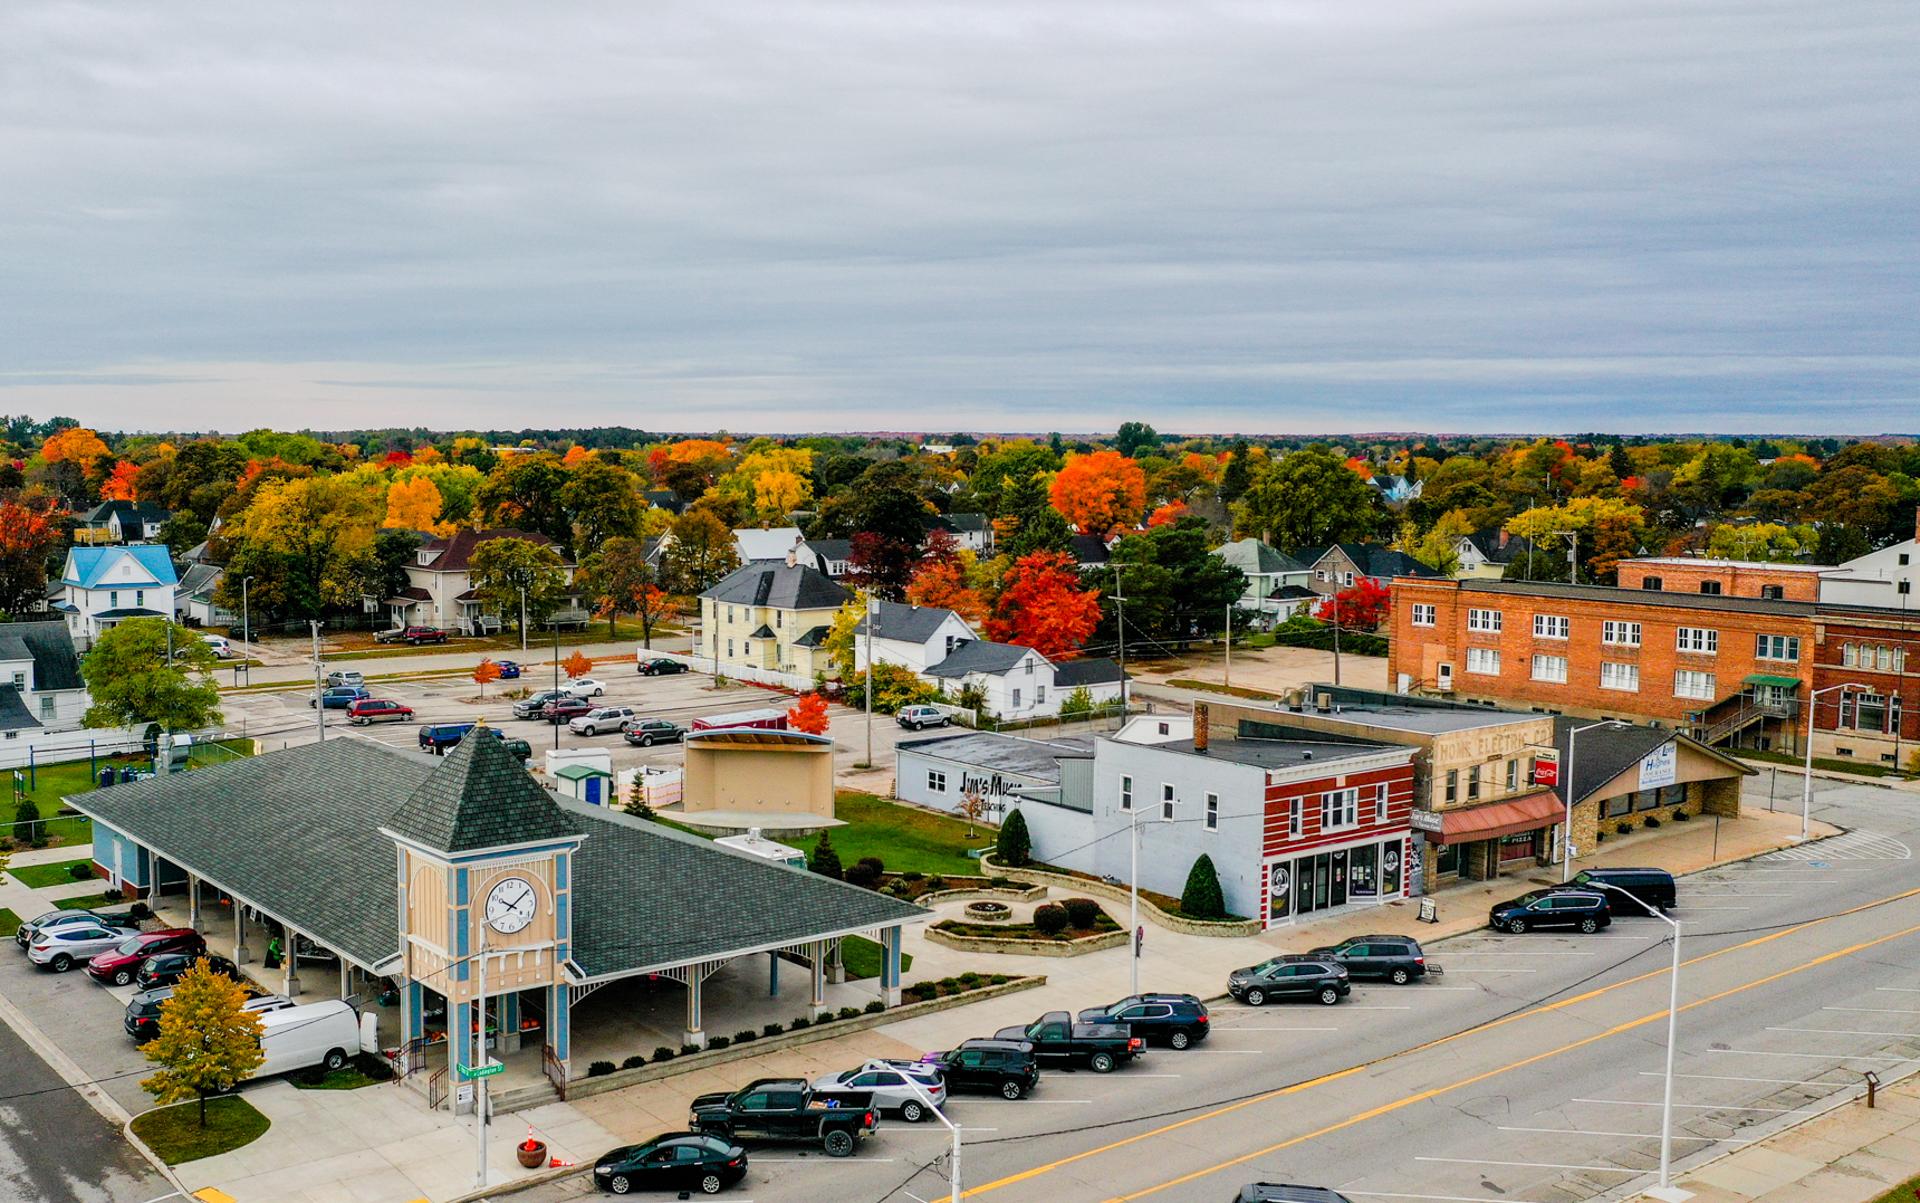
{"points": [[27, 827], [133, 683], [602, 502], [825, 861], [1014, 847], [1175, 588], [1308, 499], [700, 551], [1202, 898], [618, 580], [502, 568], [1134, 437], [524, 492], [208, 1042], [1021, 460], [1237, 476], [1035, 524]]}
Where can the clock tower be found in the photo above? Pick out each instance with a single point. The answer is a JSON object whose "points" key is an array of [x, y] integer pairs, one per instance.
{"points": [[485, 860]]}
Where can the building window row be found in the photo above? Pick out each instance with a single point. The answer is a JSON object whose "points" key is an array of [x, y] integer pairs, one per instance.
{"points": [[1339, 808], [1871, 655], [1484, 620], [1704, 640], [1688, 683], [1550, 668], [1551, 626], [1624, 677], [936, 781], [1620, 634], [1484, 660], [1424, 614], [1776, 647], [1871, 712]]}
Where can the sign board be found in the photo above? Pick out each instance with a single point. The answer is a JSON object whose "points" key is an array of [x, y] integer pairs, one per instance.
{"points": [[463, 1095], [1429, 911], [1546, 767], [1660, 766], [470, 1072], [1428, 820]]}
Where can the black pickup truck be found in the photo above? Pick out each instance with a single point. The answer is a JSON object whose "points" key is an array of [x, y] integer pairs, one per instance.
{"points": [[786, 1109], [1058, 1040]]}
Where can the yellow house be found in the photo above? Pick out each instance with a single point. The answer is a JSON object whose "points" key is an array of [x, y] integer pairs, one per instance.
{"points": [[769, 616]]}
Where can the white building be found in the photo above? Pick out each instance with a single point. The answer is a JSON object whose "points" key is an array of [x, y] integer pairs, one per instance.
{"points": [[440, 592], [1879, 578], [103, 586], [916, 637], [940, 771], [774, 543], [40, 686], [1018, 682], [1277, 584]]}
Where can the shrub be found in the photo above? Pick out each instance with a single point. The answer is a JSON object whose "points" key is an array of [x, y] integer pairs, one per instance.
{"points": [[27, 825], [875, 1007], [936, 883], [689, 1049], [633, 1062], [746, 1037], [825, 861], [1081, 912], [1623, 828], [969, 979], [864, 874], [1079, 702], [1050, 920], [799, 1023], [1014, 848], [1001, 883], [599, 1069], [847, 1013], [1681, 816], [772, 1029], [915, 878], [80, 872], [1202, 898], [998, 979], [719, 1042], [878, 866], [1653, 820], [663, 1053]]}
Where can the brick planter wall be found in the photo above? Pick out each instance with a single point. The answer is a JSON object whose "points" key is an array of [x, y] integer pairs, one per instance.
{"points": [[1026, 948], [1113, 893]]}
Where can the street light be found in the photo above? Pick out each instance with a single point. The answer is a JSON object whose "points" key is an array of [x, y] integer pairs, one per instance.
{"points": [[246, 629], [873, 620], [1806, 782], [1566, 792], [1666, 1192]]}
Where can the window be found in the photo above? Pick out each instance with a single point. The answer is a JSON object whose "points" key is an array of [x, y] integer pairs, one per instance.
{"points": [[936, 781], [1650, 582], [1380, 803], [1319, 574], [1213, 812], [1870, 712], [1473, 783], [1423, 614], [1549, 626], [1453, 785], [46, 707], [951, 641], [1484, 620], [1550, 668], [1777, 647], [1293, 817], [1039, 695], [1710, 588], [1620, 634], [1029, 668], [1346, 578], [1903, 559], [1905, 587], [20, 681], [1016, 699], [1484, 660], [1696, 639], [1625, 677], [1689, 684], [1772, 592], [139, 597], [1166, 801], [1126, 793], [777, 616], [1513, 775], [729, 649], [729, 613], [113, 599], [1339, 808], [1849, 655], [1884, 657]]}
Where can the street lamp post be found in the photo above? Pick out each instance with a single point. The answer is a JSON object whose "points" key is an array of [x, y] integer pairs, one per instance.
{"points": [[1806, 781], [246, 629], [1566, 792], [523, 620], [1133, 899], [873, 620], [1666, 1192]]}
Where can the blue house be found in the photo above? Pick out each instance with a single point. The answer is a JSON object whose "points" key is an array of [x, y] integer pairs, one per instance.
{"points": [[103, 586]]}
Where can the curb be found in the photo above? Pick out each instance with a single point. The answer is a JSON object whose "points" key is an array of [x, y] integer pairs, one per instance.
{"points": [[537, 1178]]}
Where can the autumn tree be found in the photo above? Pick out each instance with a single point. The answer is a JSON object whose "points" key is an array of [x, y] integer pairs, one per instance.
{"points": [[1043, 605], [484, 673], [1362, 606], [413, 504], [524, 493], [507, 570], [69, 457], [120, 483], [700, 551], [945, 578], [1307, 499], [134, 682], [809, 714], [691, 466], [771, 483], [1175, 587], [208, 1042], [602, 501], [577, 665], [617, 579], [1099, 492], [27, 535]]}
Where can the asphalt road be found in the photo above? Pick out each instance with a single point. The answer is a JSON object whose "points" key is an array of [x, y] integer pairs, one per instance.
{"points": [[54, 1147], [1528, 1073]]}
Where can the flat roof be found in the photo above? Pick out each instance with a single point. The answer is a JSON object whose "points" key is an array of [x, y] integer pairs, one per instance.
{"points": [[1639, 597], [1036, 758], [1418, 719], [1275, 753], [1702, 562]]}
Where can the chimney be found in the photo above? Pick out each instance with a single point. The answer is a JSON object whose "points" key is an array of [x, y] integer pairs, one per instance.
{"points": [[1200, 726], [1323, 702], [792, 557]]}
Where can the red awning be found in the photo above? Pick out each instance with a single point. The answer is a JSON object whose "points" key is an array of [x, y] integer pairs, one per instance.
{"points": [[1496, 819]]}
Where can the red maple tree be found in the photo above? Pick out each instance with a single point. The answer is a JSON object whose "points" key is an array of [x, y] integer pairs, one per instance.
{"points": [[1043, 606], [1362, 606], [485, 672], [809, 714], [118, 486], [941, 580], [1099, 491], [1168, 513]]}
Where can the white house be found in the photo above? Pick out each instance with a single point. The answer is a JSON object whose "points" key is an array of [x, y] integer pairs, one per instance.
{"points": [[914, 636], [1277, 584], [1018, 682], [120, 522], [1879, 578], [775, 543], [101, 586], [831, 556], [40, 686], [440, 593]]}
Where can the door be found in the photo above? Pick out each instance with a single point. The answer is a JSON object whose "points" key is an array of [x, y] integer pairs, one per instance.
{"points": [[1288, 982], [969, 1070], [1050, 1041], [1337, 889], [1364, 864], [1548, 912], [657, 1171], [752, 1117], [593, 791], [1360, 961]]}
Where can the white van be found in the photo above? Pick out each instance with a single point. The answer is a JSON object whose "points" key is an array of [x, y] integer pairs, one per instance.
{"points": [[322, 1033]]}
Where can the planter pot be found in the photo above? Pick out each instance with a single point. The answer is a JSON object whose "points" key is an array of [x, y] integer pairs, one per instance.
{"points": [[532, 1153]]}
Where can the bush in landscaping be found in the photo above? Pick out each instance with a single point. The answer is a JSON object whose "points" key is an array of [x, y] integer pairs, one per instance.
{"points": [[1202, 898], [1002, 883], [1623, 828], [847, 1013], [1014, 848], [1653, 820], [936, 883], [799, 1023], [687, 1050], [875, 1007], [599, 1069], [80, 872], [826, 862], [633, 1062], [1681, 816], [663, 1053], [719, 1042], [1050, 920], [746, 1037], [913, 878], [998, 979], [27, 826], [772, 1029], [1081, 912], [863, 874]]}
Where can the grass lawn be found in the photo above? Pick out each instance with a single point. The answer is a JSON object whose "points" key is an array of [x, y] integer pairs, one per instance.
{"points": [[51, 782], [89, 902], [905, 838], [9, 922], [861, 957], [1904, 1193], [41, 876], [175, 1134], [363, 1070]]}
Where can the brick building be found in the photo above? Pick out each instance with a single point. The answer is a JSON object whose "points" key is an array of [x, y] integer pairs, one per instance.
{"points": [[1880, 649], [1726, 668], [1725, 578]]}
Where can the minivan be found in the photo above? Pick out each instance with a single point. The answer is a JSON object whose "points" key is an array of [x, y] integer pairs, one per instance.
{"points": [[1654, 887], [322, 1033], [1584, 910]]}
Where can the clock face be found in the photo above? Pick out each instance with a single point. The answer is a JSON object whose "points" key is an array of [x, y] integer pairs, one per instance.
{"points": [[511, 905]]}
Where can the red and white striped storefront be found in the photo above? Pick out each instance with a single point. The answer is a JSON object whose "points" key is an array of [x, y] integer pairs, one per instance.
{"points": [[1336, 839]]}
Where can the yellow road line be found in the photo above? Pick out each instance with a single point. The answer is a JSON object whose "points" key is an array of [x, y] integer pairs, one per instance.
{"points": [[1544, 1009]]}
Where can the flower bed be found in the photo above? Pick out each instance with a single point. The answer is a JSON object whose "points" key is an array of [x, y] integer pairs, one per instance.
{"points": [[1158, 908], [986, 910]]}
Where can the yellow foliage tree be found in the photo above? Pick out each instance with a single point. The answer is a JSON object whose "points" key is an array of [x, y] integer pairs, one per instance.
{"points": [[414, 504], [75, 443], [208, 1042], [772, 482]]}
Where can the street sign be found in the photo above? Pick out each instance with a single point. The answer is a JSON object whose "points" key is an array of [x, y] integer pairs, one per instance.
{"points": [[470, 1072]]}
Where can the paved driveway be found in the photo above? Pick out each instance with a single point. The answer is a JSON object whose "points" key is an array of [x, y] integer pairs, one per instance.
{"points": [[54, 1147]]}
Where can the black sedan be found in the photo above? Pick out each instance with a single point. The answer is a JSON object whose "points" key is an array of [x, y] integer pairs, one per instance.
{"points": [[660, 666], [673, 1161], [169, 967]]}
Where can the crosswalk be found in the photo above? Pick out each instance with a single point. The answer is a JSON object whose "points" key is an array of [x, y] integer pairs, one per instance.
{"points": [[1853, 845]]}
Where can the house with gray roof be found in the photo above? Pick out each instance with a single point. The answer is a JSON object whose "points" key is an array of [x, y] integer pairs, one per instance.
{"points": [[40, 687], [104, 586], [1277, 584], [1341, 566], [770, 617], [916, 637], [120, 522]]}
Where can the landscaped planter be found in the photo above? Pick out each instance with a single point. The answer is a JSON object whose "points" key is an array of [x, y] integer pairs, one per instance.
{"points": [[1016, 946], [1119, 893], [986, 910], [1024, 893]]}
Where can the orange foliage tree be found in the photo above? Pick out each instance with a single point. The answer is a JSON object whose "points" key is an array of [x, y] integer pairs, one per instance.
{"points": [[119, 483], [577, 665], [1099, 491], [413, 504], [1172, 511], [485, 672], [75, 444], [1043, 606], [942, 579], [809, 714], [575, 456], [26, 535]]}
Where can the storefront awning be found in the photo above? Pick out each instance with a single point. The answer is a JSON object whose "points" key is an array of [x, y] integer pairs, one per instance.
{"points": [[1770, 679], [1496, 819]]}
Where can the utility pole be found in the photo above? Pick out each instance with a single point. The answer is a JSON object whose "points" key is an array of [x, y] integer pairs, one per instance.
{"points": [[1336, 640], [1226, 674], [873, 619], [1573, 555], [1120, 633], [480, 1059], [1133, 900], [246, 632], [523, 620], [556, 680], [319, 684]]}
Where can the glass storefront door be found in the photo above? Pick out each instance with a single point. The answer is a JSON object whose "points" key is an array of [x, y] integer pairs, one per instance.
{"points": [[1363, 865], [1337, 888]]}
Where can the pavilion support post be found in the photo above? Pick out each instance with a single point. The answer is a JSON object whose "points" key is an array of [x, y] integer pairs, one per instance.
{"points": [[241, 955], [817, 976], [289, 959], [773, 975], [694, 1035], [890, 966], [346, 979], [194, 919], [836, 968]]}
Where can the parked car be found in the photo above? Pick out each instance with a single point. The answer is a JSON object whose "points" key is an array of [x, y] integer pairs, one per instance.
{"points": [[346, 677], [913, 718], [218, 645], [509, 669], [52, 920], [646, 732], [672, 1161], [321, 1033], [420, 635], [1396, 959], [1058, 1040], [169, 967], [601, 719], [784, 1109], [440, 738], [1583, 910], [566, 709], [339, 697], [117, 966], [888, 1087], [1279, 1192], [584, 687], [142, 1020], [61, 948], [1654, 887], [535, 705], [519, 749], [660, 666], [1175, 1020], [1290, 977], [377, 710], [1007, 1068]]}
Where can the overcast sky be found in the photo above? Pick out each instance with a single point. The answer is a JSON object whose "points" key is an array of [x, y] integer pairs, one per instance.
{"points": [[1283, 216]]}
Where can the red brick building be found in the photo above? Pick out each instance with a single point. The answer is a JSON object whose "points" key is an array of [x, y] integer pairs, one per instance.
{"points": [[1724, 578], [1879, 649]]}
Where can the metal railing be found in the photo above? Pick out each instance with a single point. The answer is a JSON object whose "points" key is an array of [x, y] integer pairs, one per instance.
{"points": [[554, 1068]]}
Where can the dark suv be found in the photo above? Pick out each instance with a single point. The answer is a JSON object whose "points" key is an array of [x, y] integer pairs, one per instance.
{"points": [[1396, 959], [168, 968], [1654, 887], [1289, 977], [532, 706], [1003, 1067], [1280, 1192], [1583, 910], [1175, 1020]]}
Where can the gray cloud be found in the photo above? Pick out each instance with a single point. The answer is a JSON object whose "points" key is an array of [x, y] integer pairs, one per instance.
{"points": [[1487, 214]]}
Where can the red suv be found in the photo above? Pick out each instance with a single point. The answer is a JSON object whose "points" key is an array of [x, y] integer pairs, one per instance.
{"points": [[118, 965], [377, 710], [420, 635]]}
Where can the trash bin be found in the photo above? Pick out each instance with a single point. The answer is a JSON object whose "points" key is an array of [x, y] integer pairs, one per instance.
{"points": [[106, 777], [128, 773]]}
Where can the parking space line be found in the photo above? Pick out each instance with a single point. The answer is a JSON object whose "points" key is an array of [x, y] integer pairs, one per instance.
{"points": [[1534, 1165], [1841, 1032], [1217, 1031], [1876, 1010], [1760, 1052], [1899, 989], [1691, 1106], [1633, 1135], [1654, 1073], [823, 1160], [1389, 1194]]}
